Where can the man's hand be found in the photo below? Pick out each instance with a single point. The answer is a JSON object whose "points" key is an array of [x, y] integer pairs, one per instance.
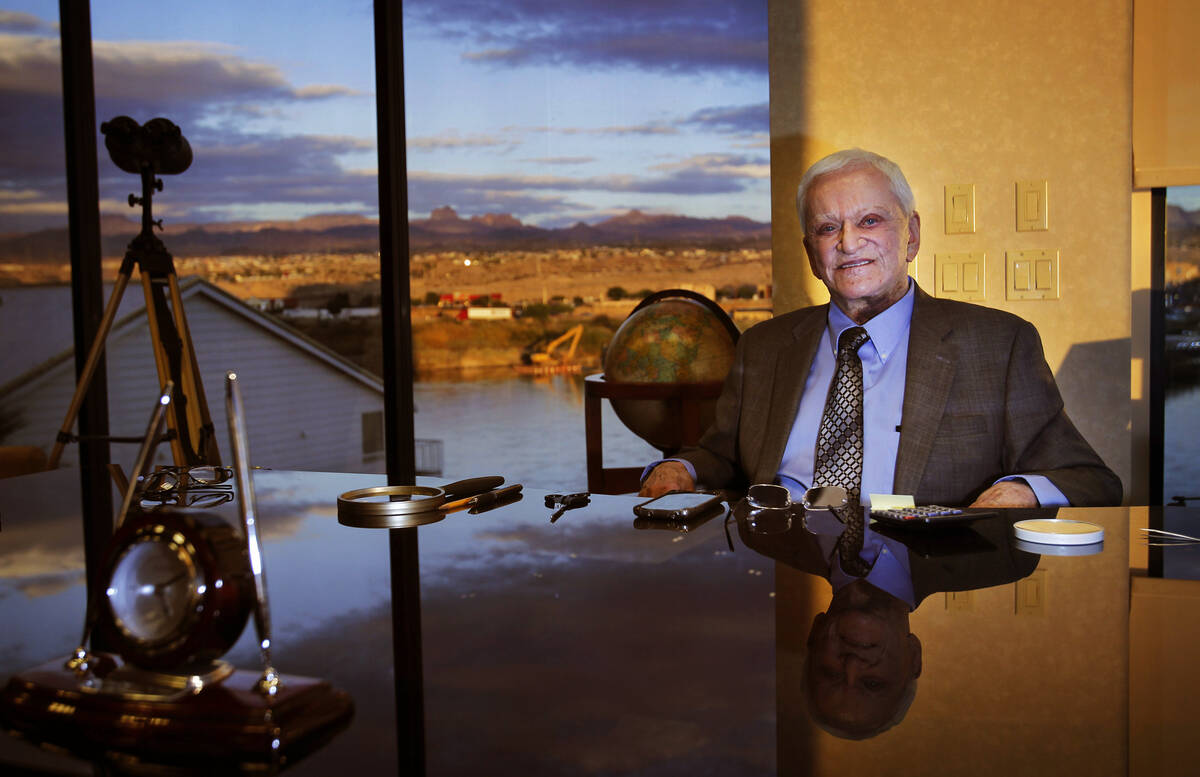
{"points": [[668, 476], [1006, 493]]}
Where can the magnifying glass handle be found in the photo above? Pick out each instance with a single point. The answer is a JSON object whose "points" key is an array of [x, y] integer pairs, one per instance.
{"points": [[472, 486]]}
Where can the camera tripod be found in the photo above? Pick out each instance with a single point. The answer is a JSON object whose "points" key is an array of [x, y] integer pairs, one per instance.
{"points": [[156, 148]]}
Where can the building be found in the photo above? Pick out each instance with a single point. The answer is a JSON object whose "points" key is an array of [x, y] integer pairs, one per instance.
{"points": [[307, 407]]}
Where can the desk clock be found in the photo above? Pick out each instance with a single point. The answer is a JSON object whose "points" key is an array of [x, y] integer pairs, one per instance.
{"points": [[178, 586]]}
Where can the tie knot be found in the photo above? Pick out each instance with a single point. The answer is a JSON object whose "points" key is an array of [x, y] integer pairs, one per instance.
{"points": [[852, 339]]}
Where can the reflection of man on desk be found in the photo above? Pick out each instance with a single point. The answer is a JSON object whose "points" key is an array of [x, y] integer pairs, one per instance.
{"points": [[955, 403], [862, 662]]}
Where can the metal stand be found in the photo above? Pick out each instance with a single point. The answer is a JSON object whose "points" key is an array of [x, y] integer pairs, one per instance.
{"points": [[158, 147]]}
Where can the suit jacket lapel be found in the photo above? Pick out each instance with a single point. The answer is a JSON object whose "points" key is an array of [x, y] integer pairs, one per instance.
{"points": [[792, 363], [926, 389]]}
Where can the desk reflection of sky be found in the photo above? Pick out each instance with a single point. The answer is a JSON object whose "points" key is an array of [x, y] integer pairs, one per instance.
{"points": [[316, 568], [561, 648]]}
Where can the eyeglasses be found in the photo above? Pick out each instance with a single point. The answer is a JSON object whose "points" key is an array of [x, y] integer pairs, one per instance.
{"points": [[171, 478], [201, 486], [193, 498]]}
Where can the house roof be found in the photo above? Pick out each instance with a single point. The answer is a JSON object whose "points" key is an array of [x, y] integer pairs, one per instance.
{"points": [[24, 307]]}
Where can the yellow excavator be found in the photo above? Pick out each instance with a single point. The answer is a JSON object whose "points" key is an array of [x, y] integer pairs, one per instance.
{"points": [[549, 355]]}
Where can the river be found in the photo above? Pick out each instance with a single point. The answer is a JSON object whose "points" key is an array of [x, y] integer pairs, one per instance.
{"points": [[528, 429], [1181, 443]]}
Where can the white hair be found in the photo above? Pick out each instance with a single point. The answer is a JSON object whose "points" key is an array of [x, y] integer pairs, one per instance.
{"points": [[853, 157]]}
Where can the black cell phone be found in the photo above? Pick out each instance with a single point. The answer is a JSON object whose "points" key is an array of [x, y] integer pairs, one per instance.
{"points": [[677, 505]]}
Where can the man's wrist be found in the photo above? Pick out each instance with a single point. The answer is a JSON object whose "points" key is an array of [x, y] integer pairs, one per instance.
{"points": [[687, 465], [1048, 494]]}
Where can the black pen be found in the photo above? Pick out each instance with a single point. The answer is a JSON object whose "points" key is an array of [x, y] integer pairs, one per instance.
{"points": [[485, 499]]}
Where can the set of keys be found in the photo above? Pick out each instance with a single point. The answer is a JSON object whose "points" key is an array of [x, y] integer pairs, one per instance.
{"points": [[566, 502]]}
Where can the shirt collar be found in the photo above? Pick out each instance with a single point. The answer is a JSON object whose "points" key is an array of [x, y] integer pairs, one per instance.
{"points": [[888, 330]]}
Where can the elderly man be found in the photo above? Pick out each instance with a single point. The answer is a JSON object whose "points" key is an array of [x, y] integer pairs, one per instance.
{"points": [[948, 402]]}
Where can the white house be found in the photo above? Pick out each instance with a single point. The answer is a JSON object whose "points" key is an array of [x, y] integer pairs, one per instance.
{"points": [[307, 407]]}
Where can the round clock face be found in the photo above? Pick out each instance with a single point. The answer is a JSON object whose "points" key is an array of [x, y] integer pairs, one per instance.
{"points": [[178, 588], [154, 589]]}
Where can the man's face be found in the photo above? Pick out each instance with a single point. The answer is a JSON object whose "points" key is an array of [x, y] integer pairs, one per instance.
{"points": [[862, 658], [859, 241]]}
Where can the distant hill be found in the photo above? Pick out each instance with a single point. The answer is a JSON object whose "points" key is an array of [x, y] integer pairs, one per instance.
{"points": [[1182, 222], [443, 230]]}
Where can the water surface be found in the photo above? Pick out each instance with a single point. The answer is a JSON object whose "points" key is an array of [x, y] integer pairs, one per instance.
{"points": [[528, 429]]}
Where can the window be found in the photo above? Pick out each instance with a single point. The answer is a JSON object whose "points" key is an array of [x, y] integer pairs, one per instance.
{"points": [[372, 433], [1181, 347], [272, 222], [566, 160]]}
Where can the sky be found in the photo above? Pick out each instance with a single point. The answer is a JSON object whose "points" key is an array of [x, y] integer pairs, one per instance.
{"points": [[552, 112]]}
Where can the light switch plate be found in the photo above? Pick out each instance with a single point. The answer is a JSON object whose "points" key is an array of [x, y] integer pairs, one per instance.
{"points": [[1033, 206], [960, 208], [960, 276], [1030, 594], [1031, 275]]}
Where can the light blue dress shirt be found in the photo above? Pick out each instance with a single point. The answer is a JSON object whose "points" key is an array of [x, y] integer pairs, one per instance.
{"points": [[890, 569], [885, 364], [885, 360]]}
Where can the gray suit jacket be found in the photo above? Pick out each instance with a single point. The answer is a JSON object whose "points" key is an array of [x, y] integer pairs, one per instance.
{"points": [[980, 403]]}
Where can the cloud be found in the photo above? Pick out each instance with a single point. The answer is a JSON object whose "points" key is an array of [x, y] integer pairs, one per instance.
{"points": [[325, 91], [630, 129], [561, 160], [236, 174], [737, 119], [452, 140], [209, 91], [653, 128], [675, 36], [30, 64], [477, 195], [16, 21], [524, 195], [216, 94], [732, 165]]}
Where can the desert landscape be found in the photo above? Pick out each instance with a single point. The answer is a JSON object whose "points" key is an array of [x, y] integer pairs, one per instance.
{"points": [[322, 275]]}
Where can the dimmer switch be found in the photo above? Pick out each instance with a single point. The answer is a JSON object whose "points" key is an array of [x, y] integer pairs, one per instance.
{"points": [[1033, 206], [960, 208]]}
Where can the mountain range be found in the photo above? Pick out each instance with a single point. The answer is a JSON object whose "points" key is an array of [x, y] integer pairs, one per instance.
{"points": [[443, 230]]}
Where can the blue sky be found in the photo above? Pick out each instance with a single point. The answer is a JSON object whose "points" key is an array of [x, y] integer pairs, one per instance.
{"points": [[554, 112]]}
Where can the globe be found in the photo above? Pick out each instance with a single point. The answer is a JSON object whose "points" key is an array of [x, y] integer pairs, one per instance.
{"points": [[672, 339]]}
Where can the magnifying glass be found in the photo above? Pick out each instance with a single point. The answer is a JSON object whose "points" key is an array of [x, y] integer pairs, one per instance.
{"points": [[398, 507]]}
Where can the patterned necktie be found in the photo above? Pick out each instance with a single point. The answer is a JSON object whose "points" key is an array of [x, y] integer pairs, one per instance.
{"points": [[839, 456], [850, 542]]}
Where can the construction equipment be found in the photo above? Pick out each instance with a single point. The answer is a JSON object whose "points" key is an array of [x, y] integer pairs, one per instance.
{"points": [[548, 355], [549, 359]]}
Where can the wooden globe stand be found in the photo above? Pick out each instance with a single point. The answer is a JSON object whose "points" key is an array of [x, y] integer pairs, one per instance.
{"points": [[683, 402]]}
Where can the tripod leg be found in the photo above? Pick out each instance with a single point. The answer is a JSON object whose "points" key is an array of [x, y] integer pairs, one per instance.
{"points": [[89, 367], [199, 420], [193, 442]]}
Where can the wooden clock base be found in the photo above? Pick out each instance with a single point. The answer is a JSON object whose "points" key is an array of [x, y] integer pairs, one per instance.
{"points": [[226, 727]]}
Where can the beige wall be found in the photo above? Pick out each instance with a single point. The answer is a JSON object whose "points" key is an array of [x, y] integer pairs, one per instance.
{"points": [[987, 94]]}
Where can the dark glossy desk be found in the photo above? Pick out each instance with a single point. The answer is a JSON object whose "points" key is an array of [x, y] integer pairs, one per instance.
{"points": [[590, 647]]}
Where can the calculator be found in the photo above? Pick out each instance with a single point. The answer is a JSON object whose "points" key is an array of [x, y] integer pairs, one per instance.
{"points": [[928, 516]]}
